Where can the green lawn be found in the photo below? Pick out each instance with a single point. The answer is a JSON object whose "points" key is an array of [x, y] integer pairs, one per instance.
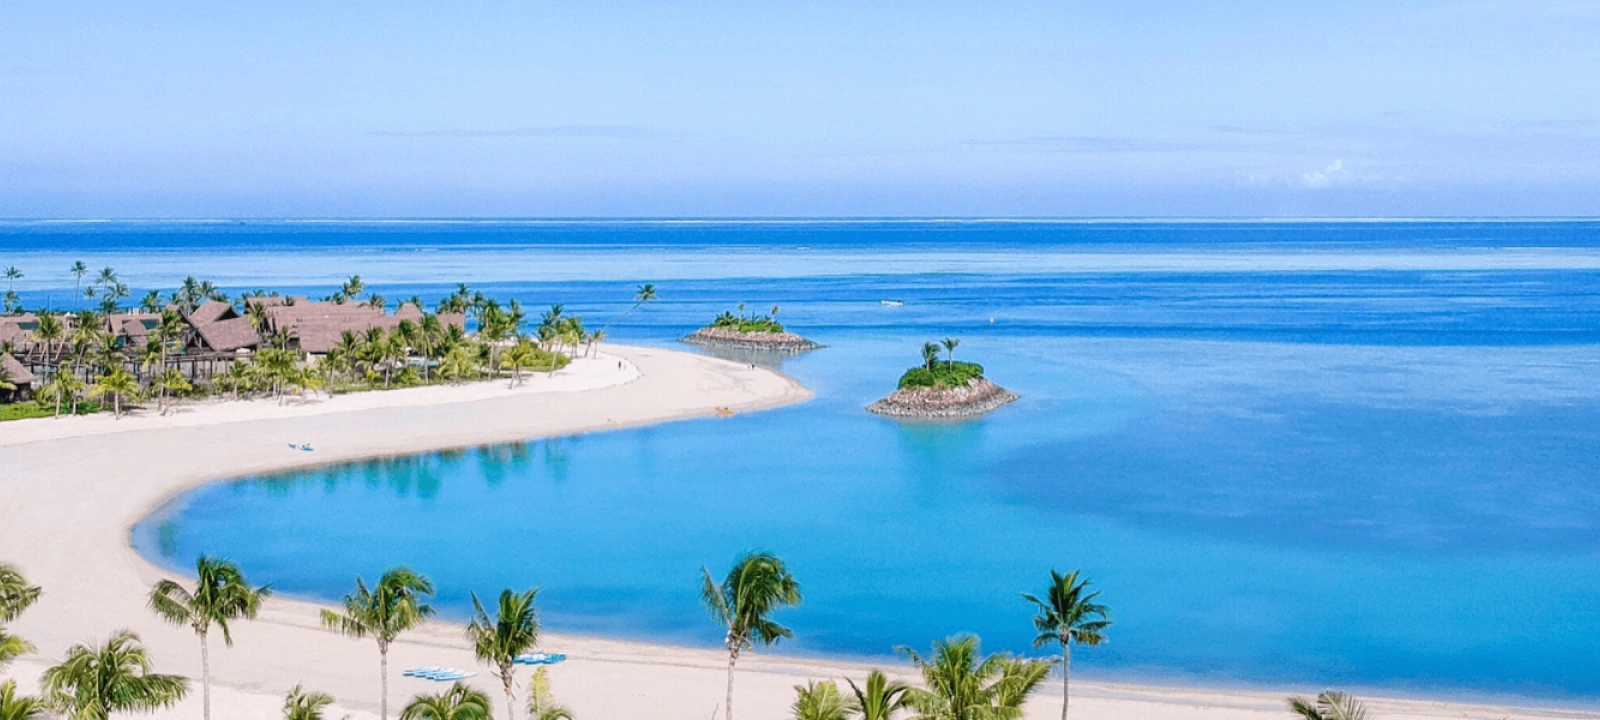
{"points": [[25, 410]]}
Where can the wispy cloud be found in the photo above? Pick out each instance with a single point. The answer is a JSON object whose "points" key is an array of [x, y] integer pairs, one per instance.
{"points": [[1327, 177], [1092, 144], [614, 132]]}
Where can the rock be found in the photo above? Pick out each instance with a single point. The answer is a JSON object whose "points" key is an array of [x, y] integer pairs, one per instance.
{"points": [[784, 342], [978, 397]]}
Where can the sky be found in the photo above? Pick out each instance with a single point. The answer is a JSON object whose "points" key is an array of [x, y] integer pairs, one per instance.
{"points": [[1136, 108]]}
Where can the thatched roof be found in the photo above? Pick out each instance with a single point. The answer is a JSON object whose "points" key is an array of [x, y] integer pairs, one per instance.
{"points": [[407, 311], [212, 311], [15, 372], [11, 331], [229, 335], [457, 319]]}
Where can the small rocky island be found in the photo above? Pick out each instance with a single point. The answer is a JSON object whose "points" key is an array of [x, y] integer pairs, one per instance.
{"points": [[943, 389], [755, 332]]}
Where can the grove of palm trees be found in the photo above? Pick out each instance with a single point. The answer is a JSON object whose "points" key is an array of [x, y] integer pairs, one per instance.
{"points": [[196, 343], [99, 680]]}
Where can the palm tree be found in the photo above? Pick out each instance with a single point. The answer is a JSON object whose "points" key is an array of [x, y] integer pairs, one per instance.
{"points": [[963, 684], [819, 701], [389, 608], [460, 702], [78, 271], [63, 385], [646, 293], [950, 345], [96, 681], [302, 705], [220, 594], [881, 698], [119, 383], [1329, 705], [757, 585], [1068, 615], [541, 704], [15, 596], [19, 707], [498, 641], [12, 276], [930, 354], [517, 357], [49, 331]]}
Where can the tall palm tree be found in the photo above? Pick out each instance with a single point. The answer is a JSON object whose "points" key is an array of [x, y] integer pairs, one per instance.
{"points": [[389, 608], [498, 641], [12, 276], [645, 294], [880, 700], [1329, 705], [95, 681], [930, 354], [220, 594], [62, 386], [78, 271], [49, 332], [950, 344], [19, 707], [460, 702], [819, 701], [302, 705], [758, 585], [1068, 614], [119, 384], [963, 684]]}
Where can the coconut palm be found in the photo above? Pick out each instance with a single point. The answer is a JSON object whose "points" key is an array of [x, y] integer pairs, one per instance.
{"points": [[302, 705], [963, 684], [541, 704], [220, 594], [517, 357], [19, 707], [1068, 614], [383, 612], [498, 641], [758, 584], [930, 354], [950, 345], [15, 596], [95, 681], [15, 593], [1329, 705], [880, 700], [49, 331], [119, 384], [645, 294], [78, 271], [819, 701], [12, 276], [63, 386], [460, 702]]}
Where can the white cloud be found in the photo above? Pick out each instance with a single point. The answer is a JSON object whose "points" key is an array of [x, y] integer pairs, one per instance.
{"points": [[1329, 176]]}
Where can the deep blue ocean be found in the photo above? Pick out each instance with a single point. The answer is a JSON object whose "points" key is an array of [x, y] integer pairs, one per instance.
{"points": [[1355, 454]]}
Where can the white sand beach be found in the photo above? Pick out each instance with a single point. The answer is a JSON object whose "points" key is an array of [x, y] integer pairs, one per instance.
{"points": [[70, 489]]}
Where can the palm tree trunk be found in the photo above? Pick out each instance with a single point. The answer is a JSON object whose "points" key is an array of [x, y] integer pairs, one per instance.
{"points": [[733, 656], [511, 702], [205, 678], [383, 672], [1066, 670]]}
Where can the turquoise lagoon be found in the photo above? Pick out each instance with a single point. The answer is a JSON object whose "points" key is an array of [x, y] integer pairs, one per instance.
{"points": [[1361, 455]]}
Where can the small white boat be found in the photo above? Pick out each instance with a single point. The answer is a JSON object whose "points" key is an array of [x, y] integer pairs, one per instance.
{"points": [[893, 303]]}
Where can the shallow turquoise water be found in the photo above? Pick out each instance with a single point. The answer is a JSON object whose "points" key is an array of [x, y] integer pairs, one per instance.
{"points": [[1367, 478]]}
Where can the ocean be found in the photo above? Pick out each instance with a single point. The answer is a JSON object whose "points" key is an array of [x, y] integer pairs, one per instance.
{"points": [[1355, 454]]}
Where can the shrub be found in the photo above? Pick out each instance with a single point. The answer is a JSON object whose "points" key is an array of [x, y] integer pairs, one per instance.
{"points": [[944, 375]]}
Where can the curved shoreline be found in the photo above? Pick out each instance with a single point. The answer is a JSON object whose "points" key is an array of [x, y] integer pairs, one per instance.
{"points": [[67, 515]]}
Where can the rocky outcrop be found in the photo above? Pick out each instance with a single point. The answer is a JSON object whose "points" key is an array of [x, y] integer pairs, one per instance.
{"points": [[978, 397], [784, 342]]}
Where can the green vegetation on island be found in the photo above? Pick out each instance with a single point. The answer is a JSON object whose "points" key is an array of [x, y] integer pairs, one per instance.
{"points": [[197, 342], [934, 373], [752, 323]]}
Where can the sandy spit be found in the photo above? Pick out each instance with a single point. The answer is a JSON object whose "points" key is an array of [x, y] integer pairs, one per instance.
{"points": [[70, 489]]}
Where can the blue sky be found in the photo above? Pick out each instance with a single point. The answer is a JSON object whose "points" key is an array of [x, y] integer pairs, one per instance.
{"points": [[1138, 108]]}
